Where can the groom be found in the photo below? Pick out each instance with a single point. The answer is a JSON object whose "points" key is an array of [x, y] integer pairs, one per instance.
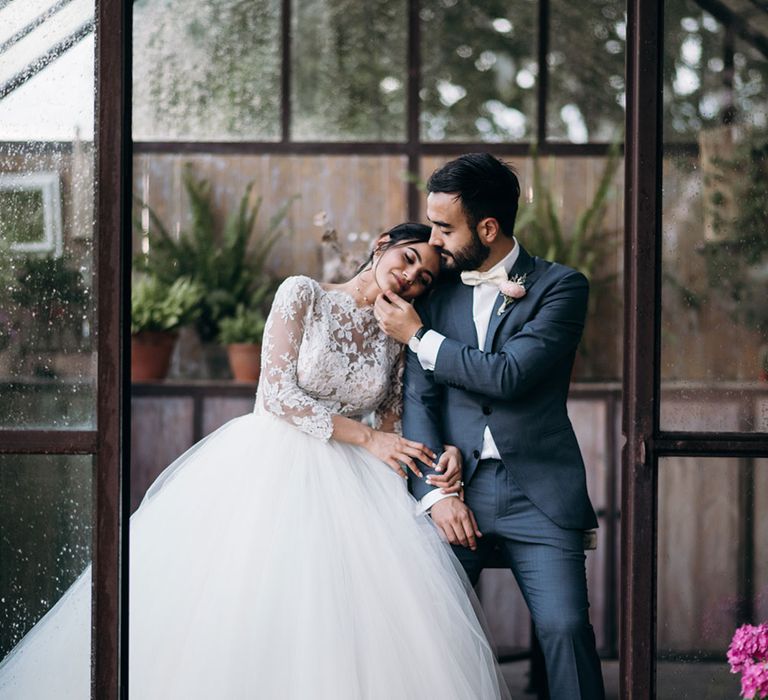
{"points": [[488, 368]]}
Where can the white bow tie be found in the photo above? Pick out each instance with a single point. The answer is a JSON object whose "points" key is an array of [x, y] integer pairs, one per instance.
{"points": [[495, 277]]}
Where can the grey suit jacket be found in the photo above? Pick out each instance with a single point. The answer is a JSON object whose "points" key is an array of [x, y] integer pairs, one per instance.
{"points": [[517, 385]]}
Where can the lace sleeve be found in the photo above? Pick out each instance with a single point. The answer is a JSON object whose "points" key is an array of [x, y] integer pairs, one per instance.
{"points": [[280, 391], [388, 415]]}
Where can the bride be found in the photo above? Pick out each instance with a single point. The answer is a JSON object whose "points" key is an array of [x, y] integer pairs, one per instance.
{"points": [[282, 557]]}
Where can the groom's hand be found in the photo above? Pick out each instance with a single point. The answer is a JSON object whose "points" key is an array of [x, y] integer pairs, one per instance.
{"points": [[396, 317], [457, 522]]}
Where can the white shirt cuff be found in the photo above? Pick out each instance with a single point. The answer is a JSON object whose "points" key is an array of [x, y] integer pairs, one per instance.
{"points": [[433, 497], [429, 345]]}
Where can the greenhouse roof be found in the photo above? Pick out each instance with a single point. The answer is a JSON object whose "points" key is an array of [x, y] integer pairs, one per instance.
{"points": [[47, 52], [46, 69]]}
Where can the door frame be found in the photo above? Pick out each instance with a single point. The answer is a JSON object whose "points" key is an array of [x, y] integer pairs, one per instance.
{"points": [[644, 441], [112, 270]]}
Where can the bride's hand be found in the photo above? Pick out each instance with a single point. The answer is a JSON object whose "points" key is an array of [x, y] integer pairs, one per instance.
{"points": [[449, 466], [397, 452]]}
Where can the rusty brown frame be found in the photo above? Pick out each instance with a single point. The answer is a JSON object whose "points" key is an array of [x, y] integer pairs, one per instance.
{"points": [[49, 442], [113, 259], [642, 286]]}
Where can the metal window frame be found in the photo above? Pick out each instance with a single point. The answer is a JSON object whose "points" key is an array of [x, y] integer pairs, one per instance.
{"points": [[412, 147], [113, 137], [645, 441]]}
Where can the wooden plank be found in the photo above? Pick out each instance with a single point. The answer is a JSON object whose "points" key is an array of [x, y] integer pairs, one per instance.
{"points": [[698, 534], [217, 411], [761, 542], [161, 431]]}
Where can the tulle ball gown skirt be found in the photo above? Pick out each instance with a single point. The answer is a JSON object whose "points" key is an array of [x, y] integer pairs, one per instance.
{"points": [[268, 564]]}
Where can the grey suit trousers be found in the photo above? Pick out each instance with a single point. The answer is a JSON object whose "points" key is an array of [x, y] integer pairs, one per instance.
{"points": [[549, 565]]}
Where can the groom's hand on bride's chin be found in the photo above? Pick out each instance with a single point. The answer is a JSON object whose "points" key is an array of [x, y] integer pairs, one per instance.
{"points": [[457, 522], [396, 317]]}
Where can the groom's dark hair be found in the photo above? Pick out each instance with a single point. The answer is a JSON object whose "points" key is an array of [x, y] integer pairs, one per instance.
{"points": [[486, 186]]}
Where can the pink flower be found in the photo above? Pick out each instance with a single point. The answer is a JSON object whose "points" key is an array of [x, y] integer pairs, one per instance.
{"points": [[749, 645], [513, 290], [320, 219], [754, 681]]}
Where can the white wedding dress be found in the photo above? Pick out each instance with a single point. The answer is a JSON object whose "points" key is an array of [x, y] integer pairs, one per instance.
{"points": [[271, 562]]}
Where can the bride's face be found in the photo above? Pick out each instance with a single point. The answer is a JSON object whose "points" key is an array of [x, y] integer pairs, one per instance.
{"points": [[408, 269]]}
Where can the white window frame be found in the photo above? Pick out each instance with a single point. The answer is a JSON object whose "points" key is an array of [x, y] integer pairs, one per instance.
{"points": [[51, 240]]}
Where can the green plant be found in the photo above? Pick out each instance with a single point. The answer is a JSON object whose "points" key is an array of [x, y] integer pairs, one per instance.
{"points": [[246, 326], [737, 261], [47, 301], [7, 269], [156, 306], [49, 286], [587, 245], [228, 265]]}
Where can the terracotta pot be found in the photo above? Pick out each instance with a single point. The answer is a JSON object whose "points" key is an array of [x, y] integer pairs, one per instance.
{"points": [[245, 361], [151, 354]]}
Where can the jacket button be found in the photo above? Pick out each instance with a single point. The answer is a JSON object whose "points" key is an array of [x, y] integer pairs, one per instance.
{"points": [[487, 410], [476, 454]]}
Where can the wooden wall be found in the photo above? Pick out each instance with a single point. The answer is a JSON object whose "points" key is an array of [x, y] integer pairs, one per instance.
{"points": [[360, 194], [712, 536]]}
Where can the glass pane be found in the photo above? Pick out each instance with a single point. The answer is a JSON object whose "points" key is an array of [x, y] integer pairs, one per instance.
{"points": [[349, 70], [709, 74], [479, 70], [586, 70], [47, 342], [206, 70], [711, 578], [45, 548], [715, 257]]}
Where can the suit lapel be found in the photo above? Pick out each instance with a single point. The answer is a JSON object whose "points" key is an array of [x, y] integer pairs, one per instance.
{"points": [[461, 312], [524, 265]]}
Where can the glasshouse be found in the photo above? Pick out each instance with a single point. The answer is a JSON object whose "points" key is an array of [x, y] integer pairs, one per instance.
{"points": [[387, 349]]}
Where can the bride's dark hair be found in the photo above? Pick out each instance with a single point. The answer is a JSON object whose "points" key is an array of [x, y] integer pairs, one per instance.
{"points": [[402, 234]]}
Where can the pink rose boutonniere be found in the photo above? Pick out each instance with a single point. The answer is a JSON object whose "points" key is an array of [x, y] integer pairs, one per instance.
{"points": [[512, 290]]}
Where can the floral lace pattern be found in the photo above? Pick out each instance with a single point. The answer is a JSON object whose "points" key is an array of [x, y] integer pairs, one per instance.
{"points": [[322, 355]]}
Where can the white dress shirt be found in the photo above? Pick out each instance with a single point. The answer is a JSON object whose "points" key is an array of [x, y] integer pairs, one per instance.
{"points": [[483, 299]]}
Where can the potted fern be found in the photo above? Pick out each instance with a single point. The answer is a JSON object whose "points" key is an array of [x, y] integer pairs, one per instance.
{"points": [[229, 264], [242, 334], [587, 246], [243, 331], [157, 312]]}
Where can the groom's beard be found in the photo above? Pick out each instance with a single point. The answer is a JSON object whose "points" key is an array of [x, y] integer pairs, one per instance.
{"points": [[471, 256]]}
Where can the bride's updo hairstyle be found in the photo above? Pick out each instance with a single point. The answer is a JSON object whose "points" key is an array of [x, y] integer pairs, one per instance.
{"points": [[400, 235]]}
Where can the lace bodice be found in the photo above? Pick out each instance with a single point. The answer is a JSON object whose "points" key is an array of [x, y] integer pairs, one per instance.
{"points": [[324, 355]]}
